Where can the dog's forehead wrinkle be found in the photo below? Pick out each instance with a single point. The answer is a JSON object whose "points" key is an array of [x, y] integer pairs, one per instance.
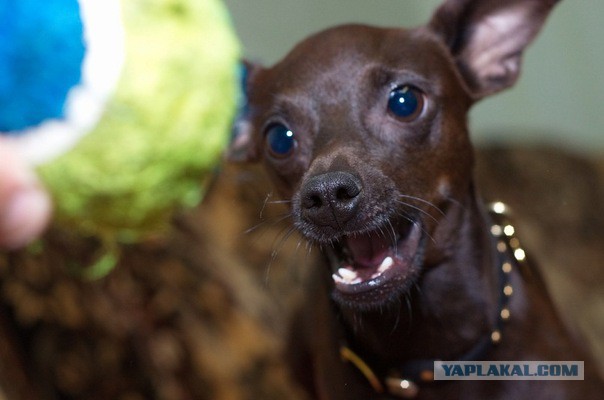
{"points": [[294, 105], [306, 100]]}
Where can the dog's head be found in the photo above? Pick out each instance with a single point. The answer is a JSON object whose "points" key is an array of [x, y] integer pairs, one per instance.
{"points": [[365, 130]]}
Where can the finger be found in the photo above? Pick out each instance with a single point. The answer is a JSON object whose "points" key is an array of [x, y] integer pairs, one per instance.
{"points": [[25, 207]]}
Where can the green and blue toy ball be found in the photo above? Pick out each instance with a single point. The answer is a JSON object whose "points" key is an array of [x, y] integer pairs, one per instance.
{"points": [[124, 107]]}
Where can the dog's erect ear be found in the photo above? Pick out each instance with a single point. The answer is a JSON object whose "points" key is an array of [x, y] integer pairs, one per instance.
{"points": [[487, 38], [242, 147]]}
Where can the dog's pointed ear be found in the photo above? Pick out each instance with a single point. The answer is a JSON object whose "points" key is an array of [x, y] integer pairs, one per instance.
{"points": [[242, 147], [487, 38]]}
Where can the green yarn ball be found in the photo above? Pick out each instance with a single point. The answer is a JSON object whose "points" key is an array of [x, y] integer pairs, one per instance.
{"points": [[163, 130]]}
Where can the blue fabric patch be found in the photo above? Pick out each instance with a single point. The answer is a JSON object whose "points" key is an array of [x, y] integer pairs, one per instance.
{"points": [[41, 53]]}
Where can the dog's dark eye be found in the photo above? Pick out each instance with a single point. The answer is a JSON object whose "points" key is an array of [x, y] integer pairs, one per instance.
{"points": [[280, 141], [406, 103]]}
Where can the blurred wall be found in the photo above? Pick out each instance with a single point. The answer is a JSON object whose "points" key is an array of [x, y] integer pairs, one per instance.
{"points": [[559, 98]]}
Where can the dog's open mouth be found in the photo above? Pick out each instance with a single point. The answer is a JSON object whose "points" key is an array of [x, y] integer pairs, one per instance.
{"points": [[370, 266]]}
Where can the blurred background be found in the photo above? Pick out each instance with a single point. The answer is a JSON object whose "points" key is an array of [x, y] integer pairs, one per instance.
{"points": [[203, 311], [557, 99]]}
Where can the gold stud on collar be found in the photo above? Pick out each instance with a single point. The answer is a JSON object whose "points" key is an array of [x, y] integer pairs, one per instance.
{"points": [[495, 337], [506, 267], [507, 243], [498, 208], [403, 388], [496, 230], [509, 230]]}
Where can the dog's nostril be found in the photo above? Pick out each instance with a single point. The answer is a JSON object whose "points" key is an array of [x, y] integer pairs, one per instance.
{"points": [[314, 201], [313, 198], [342, 194], [334, 192], [347, 191]]}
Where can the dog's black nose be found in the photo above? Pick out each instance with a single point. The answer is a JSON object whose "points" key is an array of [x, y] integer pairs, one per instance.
{"points": [[330, 199]]}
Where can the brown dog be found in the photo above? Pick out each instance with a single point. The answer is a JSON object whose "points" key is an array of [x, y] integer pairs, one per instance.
{"points": [[365, 130]]}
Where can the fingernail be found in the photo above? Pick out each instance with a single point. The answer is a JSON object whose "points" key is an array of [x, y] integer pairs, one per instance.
{"points": [[24, 218]]}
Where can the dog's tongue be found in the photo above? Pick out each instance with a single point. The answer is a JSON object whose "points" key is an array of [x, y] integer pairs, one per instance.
{"points": [[368, 250]]}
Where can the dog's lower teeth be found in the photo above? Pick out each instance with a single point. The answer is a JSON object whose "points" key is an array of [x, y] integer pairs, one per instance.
{"points": [[386, 263], [347, 274], [338, 279]]}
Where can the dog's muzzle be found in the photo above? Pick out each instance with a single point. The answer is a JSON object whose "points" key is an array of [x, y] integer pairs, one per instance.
{"points": [[373, 250]]}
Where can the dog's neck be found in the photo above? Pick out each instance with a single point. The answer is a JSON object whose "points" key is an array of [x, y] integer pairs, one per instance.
{"points": [[463, 275]]}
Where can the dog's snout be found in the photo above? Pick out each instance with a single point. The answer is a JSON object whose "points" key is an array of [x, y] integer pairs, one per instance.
{"points": [[330, 199]]}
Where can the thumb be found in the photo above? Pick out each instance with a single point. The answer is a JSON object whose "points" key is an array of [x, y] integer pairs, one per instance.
{"points": [[25, 207]]}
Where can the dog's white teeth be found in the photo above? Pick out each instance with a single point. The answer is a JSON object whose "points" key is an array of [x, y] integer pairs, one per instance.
{"points": [[384, 266], [386, 263], [347, 274], [337, 278], [346, 277]]}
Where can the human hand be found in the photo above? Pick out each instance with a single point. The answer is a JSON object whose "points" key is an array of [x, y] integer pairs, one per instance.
{"points": [[25, 207]]}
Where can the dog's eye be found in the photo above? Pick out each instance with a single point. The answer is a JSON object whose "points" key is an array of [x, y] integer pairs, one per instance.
{"points": [[280, 141], [406, 103]]}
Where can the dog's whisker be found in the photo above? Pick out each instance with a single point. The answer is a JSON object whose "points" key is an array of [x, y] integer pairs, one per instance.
{"points": [[409, 312], [424, 202], [426, 233], [285, 234], [293, 267], [382, 233], [292, 262], [456, 202], [397, 320], [394, 241], [308, 246], [266, 199], [299, 244], [426, 213], [273, 221], [279, 202], [357, 324], [416, 223]]}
